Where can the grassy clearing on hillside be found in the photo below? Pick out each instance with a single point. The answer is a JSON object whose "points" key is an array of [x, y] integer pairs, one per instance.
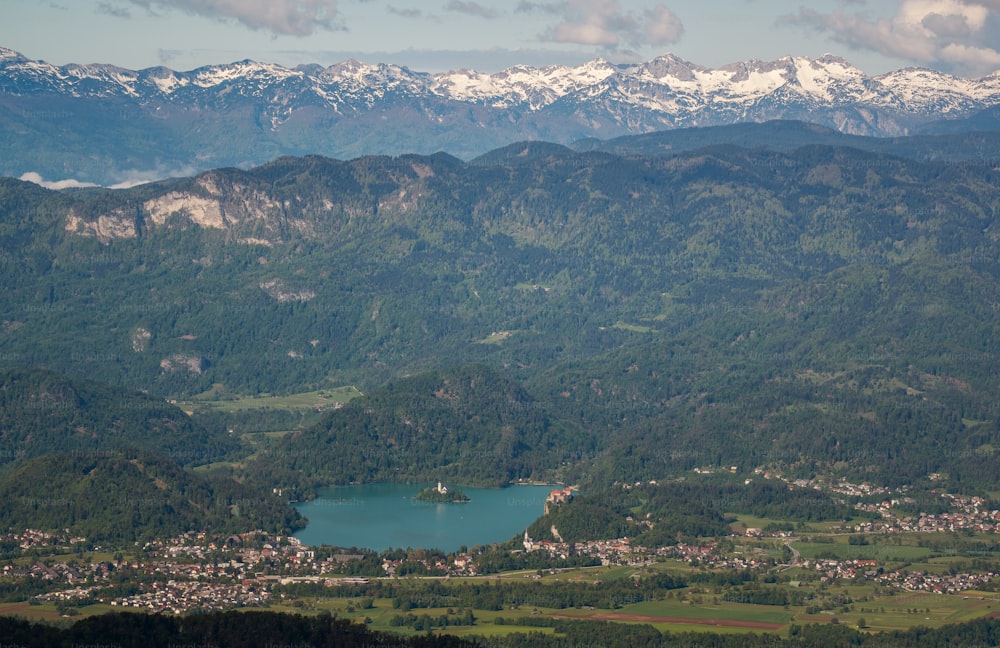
{"points": [[635, 328], [497, 337], [319, 400]]}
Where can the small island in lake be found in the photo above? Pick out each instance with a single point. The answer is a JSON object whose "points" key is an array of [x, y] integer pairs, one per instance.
{"points": [[441, 493]]}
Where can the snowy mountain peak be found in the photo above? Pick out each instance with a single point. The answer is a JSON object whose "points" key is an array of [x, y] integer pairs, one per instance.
{"points": [[348, 67], [214, 75], [357, 72], [7, 55], [832, 60], [595, 98], [670, 66]]}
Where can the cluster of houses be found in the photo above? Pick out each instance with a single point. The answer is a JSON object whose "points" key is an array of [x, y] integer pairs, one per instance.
{"points": [[71, 594], [57, 571], [180, 596], [843, 569], [199, 570], [611, 552], [709, 556], [944, 583], [461, 565], [622, 551], [691, 554], [194, 570], [864, 489], [249, 548], [937, 583], [968, 514], [171, 596], [839, 486], [33, 538]]}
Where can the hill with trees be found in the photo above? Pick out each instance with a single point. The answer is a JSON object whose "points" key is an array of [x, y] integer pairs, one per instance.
{"points": [[43, 412], [639, 314], [466, 425], [129, 496]]}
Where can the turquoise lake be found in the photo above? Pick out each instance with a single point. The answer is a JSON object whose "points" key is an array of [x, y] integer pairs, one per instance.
{"points": [[380, 516]]}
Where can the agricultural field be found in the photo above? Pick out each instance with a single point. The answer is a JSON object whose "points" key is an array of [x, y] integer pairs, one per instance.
{"points": [[705, 605], [692, 610], [262, 419]]}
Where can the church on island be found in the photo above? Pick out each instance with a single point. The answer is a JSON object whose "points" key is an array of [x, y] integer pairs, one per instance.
{"points": [[441, 493]]}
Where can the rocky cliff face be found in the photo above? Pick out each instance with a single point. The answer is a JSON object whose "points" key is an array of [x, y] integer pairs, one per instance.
{"points": [[247, 214]]}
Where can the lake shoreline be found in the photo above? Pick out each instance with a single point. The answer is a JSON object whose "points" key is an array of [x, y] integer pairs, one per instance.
{"points": [[387, 515], [408, 483]]}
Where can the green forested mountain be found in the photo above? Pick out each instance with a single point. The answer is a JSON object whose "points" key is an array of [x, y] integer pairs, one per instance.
{"points": [[893, 381], [466, 425], [309, 270], [42, 412], [657, 514], [815, 307], [129, 496]]}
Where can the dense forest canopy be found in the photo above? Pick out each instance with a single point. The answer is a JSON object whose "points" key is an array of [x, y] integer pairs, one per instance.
{"points": [[128, 496], [613, 315]]}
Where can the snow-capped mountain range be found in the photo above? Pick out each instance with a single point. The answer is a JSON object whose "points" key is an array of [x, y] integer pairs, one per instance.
{"points": [[354, 108]]}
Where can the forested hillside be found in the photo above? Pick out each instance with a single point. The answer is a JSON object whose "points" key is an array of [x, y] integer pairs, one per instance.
{"points": [[659, 514], [467, 425], [815, 307], [42, 412], [128, 496]]}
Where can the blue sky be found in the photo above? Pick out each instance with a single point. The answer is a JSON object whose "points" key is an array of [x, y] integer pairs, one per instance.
{"points": [[958, 36]]}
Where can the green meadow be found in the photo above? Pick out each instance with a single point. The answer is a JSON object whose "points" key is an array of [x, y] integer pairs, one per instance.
{"points": [[318, 400]]}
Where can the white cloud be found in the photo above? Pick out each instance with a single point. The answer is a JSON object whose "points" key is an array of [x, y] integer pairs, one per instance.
{"points": [[984, 58], [290, 17], [959, 34], [128, 184], [662, 26], [69, 183], [604, 23], [125, 179], [135, 177]]}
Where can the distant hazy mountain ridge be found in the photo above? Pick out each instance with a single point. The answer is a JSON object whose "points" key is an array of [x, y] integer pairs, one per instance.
{"points": [[110, 124]]}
